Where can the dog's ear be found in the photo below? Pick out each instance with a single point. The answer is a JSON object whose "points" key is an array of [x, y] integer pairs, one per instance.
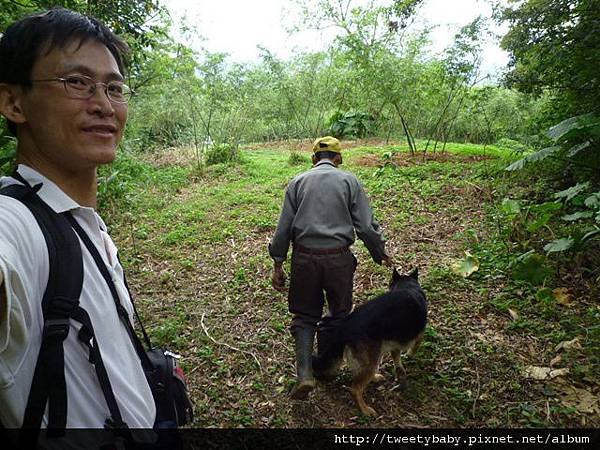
{"points": [[395, 276], [414, 273]]}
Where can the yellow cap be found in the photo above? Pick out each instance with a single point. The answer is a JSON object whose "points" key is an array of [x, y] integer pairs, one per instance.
{"points": [[327, 144]]}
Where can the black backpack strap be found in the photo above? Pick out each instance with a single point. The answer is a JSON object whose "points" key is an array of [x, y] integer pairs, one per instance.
{"points": [[137, 316], [156, 365], [86, 335], [123, 315], [61, 297]]}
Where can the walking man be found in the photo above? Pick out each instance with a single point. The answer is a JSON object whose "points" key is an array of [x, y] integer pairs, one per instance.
{"points": [[323, 209]]}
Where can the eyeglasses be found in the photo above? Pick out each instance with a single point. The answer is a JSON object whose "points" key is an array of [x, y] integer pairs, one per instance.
{"points": [[80, 86]]}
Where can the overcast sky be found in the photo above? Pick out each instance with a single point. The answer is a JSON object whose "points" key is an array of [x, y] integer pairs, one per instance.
{"points": [[238, 26]]}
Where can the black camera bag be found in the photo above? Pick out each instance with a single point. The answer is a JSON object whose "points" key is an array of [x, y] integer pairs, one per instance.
{"points": [[173, 405]]}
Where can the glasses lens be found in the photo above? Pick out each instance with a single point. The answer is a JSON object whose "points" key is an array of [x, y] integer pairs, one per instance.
{"points": [[78, 86], [117, 91]]}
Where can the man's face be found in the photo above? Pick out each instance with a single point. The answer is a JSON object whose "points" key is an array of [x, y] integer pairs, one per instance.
{"points": [[72, 134]]}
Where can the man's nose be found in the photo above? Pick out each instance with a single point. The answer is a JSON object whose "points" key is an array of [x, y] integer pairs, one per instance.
{"points": [[100, 101]]}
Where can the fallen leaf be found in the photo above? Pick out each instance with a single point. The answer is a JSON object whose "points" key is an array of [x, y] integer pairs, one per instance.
{"points": [[568, 345], [513, 314], [543, 373], [580, 399], [562, 296], [467, 266], [555, 360], [268, 403]]}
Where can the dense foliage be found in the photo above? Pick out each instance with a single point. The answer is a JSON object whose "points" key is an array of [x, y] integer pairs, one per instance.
{"points": [[554, 45]]}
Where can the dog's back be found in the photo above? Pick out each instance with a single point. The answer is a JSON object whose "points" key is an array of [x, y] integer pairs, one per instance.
{"points": [[398, 315], [394, 321]]}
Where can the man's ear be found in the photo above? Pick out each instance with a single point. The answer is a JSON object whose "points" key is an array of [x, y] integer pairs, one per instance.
{"points": [[10, 103], [314, 159], [337, 159]]}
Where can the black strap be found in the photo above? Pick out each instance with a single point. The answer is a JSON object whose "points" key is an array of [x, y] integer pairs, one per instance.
{"points": [[17, 176], [65, 280], [122, 312], [87, 336], [137, 316], [101, 266]]}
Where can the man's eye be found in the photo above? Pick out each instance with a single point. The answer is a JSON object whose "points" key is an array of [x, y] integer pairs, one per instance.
{"points": [[78, 83], [115, 89]]}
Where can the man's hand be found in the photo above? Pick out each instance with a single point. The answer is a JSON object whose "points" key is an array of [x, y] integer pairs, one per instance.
{"points": [[278, 278], [387, 261]]}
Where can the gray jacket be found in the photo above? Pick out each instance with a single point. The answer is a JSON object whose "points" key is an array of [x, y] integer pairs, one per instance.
{"points": [[323, 207]]}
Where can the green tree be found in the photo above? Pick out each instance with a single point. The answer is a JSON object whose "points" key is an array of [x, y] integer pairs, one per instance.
{"points": [[555, 44], [372, 38], [554, 47], [461, 63]]}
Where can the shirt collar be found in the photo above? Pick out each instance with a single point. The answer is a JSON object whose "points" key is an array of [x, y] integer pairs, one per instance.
{"points": [[323, 162], [49, 192]]}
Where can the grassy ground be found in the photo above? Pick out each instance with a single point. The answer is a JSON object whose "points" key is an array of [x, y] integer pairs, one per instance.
{"points": [[194, 243]]}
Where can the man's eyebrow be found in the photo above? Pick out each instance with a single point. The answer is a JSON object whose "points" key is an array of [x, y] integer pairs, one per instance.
{"points": [[85, 70]]}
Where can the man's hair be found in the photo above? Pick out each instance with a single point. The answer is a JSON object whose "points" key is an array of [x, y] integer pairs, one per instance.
{"points": [[24, 41], [325, 155]]}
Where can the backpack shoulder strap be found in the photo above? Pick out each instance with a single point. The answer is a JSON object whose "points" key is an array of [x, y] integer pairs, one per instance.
{"points": [[121, 311], [61, 298]]}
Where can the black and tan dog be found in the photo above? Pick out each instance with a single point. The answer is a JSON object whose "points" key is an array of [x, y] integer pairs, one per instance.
{"points": [[393, 322]]}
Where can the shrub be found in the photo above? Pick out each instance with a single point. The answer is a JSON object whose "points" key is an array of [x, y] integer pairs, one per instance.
{"points": [[511, 144], [352, 124], [297, 159], [221, 154]]}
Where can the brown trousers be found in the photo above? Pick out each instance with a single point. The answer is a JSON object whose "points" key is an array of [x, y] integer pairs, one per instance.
{"points": [[315, 278]]}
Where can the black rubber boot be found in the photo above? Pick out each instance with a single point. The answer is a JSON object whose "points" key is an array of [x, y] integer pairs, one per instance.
{"points": [[304, 340]]}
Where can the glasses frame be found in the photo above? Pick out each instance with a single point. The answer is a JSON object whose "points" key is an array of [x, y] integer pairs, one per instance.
{"points": [[92, 91]]}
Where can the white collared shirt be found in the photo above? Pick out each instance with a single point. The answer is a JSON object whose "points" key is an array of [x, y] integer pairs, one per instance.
{"points": [[24, 264]]}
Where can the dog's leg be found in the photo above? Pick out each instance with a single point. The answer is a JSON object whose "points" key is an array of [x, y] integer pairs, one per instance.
{"points": [[400, 370], [330, 373], [416, 343], [367, 359], [378, 377]]}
